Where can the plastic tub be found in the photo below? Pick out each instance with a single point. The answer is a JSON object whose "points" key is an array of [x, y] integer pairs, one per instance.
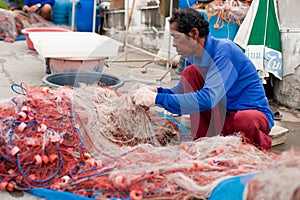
{"points": [[27, 31], [76, 64], [73, 78]]}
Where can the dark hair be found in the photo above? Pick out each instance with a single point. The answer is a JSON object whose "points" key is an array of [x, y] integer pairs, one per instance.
{"points": [[188, 18]]}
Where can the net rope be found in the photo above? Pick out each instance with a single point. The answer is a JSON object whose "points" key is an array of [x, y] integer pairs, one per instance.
{"points": [[93, 141]]}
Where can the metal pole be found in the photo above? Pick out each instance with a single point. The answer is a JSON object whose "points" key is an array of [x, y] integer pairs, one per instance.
{"points": [[169, 42], [94, 16], [127, 27], [73, 15]]}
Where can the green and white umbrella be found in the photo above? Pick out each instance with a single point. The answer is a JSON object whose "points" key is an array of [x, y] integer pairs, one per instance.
{"points": [[259, 37]]}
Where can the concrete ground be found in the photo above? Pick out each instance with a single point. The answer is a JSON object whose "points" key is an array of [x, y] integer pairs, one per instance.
{"points": [[19, 64]]}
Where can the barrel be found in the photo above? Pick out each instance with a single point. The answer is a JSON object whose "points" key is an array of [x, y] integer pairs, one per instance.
{"points": [[84, 11], [60, 12], [74, 78]]}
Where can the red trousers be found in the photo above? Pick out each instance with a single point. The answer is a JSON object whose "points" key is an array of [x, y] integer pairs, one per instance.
{"points": [[252, 124]]}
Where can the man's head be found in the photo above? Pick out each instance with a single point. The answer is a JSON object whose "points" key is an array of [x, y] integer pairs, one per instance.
{"points": [[189, 29]]}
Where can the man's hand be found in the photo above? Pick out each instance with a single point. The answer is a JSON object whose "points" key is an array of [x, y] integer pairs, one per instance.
{"points": [[33, 8], [137, 86], [144, 97], [25, 8]]}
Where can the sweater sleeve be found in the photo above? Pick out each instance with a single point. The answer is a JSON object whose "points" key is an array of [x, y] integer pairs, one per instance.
{"points": [[27, 3], [42, 2], [177, 89], [51, 2], [220, 78]]}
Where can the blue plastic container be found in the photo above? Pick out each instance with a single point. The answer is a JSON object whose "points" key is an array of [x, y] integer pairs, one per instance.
{"points": [[60, 12], [228, 30], [84, 10], [186, 3]]}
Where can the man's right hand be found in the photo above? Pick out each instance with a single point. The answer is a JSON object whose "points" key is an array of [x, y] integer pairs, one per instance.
{"points": [[144, 97], [137, 86]]}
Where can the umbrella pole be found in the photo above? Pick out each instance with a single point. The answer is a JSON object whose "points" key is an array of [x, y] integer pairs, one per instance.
{"points": [[266, 24]]}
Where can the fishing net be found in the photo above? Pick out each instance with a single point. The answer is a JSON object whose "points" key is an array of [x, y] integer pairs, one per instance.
{"points": [[110, 119], [12, 23], [61, 125], [8, 29], [94, 142], [279, 180]]}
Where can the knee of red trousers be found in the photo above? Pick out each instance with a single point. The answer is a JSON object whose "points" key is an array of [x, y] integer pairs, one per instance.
{"points": [[256, 131], [258, 139]]}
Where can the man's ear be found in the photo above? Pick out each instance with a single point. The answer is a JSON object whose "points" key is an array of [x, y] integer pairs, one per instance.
{"points": [[194, 33]]}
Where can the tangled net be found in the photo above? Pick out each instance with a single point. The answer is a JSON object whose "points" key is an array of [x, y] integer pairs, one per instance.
{"points": [[12, 23], [8, 29], [280, 178], [94, 142], [119, 121]]}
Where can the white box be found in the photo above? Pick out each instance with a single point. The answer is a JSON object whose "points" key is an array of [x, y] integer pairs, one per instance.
{"points": [[81, 45]]}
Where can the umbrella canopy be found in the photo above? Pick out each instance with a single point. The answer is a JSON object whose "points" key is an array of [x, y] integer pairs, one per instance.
{"points": [[259, 37]]}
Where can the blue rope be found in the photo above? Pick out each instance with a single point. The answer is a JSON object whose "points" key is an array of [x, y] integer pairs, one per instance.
{"points": [[71, 170], [75, 129], [98, 174], [45, 180], [4, 157], [89, 176], [15, 91]]}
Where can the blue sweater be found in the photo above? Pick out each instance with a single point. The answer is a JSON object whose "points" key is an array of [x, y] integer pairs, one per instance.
{"points": [[30, 3], [231, 78]]}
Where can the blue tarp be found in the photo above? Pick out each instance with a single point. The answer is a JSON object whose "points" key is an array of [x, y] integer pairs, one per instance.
{"points": [[231, 188]]}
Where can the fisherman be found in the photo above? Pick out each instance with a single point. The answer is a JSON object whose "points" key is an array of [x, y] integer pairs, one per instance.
{"points": [[220, 90]]}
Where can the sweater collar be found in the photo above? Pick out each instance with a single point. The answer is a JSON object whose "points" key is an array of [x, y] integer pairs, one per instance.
{"points": [[206, 57]]}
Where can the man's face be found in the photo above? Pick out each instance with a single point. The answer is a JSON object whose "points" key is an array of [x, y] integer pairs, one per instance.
{"points": [[183, 43]]}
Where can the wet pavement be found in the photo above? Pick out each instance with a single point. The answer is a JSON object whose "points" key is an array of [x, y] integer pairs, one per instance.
{"points": [[19, 64]]}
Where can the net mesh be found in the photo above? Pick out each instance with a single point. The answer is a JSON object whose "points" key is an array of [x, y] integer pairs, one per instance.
{"points": [[94, 142], [12, 23], [281, 177], [109, 120]]}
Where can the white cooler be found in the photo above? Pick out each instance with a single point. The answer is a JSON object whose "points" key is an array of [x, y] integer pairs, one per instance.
{"points": [[74, 51]]}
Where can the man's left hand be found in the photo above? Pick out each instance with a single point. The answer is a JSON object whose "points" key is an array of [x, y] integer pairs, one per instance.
{"points": [[144, 97]]}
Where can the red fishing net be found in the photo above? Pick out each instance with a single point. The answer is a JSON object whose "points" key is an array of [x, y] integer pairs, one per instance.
{"points": [[94, 141]]}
